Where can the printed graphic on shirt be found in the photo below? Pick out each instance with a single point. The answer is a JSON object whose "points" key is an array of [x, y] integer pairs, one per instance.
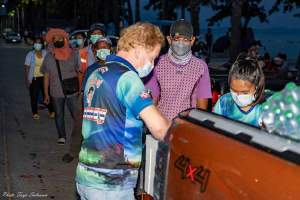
{"points": [[112, 133], [145, 95], [103, 69], [95, 114]]}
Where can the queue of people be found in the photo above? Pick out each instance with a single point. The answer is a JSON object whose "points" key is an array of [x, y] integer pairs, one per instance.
{"points": [[110, 104]]}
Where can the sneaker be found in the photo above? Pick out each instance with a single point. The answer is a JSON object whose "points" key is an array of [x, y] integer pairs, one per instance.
{"points": [[36, 117], [61, 141], [51, 115], [67, 158]]}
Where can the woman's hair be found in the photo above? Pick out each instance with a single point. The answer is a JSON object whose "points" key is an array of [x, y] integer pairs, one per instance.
{"points": [[40, 39], [145, 35], [246, 68], [82, 34]]}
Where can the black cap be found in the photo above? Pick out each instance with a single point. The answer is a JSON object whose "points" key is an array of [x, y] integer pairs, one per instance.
{"points": [[97, 26], [181, 27]]}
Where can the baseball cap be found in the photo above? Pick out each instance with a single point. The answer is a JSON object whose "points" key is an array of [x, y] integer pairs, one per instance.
{"points": [[181, 27], [105, 39], [97, 26]]}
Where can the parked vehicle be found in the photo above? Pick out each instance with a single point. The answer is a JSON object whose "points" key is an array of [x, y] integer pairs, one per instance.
{"points": [[5, 31], [13, 37]]}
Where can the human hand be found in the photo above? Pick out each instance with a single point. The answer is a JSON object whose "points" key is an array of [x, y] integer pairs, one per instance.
{"points": [[47, 99]]}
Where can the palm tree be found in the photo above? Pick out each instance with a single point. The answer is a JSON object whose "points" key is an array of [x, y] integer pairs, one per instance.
{"points": [[235, 39], [236, 10]]}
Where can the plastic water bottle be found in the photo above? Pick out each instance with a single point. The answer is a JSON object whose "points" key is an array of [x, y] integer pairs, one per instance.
{"points": [[281, 112]]}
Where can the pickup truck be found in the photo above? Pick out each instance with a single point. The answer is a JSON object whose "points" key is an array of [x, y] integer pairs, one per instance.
{"points": [[214, 158]]}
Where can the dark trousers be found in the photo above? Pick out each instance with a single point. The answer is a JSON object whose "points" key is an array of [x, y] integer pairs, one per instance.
{"points": [[35, 89], [74, 106]]}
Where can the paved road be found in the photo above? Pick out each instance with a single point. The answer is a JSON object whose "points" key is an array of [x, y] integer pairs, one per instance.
{"points": [[31, 166]]}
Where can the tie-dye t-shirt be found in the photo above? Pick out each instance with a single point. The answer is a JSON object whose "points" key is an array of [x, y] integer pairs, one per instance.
{"points": [[110, 155], [228, 108]]}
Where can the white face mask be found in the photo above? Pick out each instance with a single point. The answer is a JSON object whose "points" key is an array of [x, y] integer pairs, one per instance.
{"points": [[102, 53], [37, 46], [94, 38], [242, 100], [145, 70]]}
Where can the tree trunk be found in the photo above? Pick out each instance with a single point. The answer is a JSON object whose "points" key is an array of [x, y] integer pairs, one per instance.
{"points": [[137, 10], [195, 10], [246, 23], [235, 39]]}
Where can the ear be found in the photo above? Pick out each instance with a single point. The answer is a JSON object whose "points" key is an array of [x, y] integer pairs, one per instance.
{"points": [[169, 39], [193, 40]]}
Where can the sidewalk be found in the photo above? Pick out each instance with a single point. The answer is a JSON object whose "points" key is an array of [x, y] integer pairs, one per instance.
{"points": [[36, 170]]}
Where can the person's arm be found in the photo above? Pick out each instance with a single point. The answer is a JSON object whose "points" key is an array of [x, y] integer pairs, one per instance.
{"points": [[133, 95], [157, 124], [203, 89], [80, 79], [46, 88], [26, 68], [26, 71], [44, 71], [78, 69]]}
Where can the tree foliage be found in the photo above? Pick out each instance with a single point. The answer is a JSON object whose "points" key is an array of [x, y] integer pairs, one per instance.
{"points": [[250, 9], [167, 9], [285, 6]]}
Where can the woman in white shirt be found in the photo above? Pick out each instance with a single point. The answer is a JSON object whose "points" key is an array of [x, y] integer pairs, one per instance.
{"points": [[34, 78]]}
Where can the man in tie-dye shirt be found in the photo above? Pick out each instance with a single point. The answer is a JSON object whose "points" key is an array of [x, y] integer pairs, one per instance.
{"points": [[115, 106]]}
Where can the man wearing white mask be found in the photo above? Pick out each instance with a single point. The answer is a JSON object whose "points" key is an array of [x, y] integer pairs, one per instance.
{"points": [[87, 54], [115, 105], [180, 80], [102, 49]]}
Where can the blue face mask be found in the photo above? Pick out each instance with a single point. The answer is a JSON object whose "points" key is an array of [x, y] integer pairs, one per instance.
{"points": [[145, 70], [73, 43], [37, 46], [102, 53], [94, 38], [79, 42]]}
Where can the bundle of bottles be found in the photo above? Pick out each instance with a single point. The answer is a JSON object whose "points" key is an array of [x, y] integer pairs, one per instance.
{"points": [[281, 112]]}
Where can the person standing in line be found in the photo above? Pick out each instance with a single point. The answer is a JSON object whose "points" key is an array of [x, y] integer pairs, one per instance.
{"points": [[79, 40], [60, 69], [180, 80], [101, 49], [34, 78]]}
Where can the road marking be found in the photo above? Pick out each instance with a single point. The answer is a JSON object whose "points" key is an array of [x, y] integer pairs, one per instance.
{"points": [[5, 150]]}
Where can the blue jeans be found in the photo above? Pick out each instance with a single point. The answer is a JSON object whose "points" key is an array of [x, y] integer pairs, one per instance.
{"points": [[74, 106], [89, 193]]}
